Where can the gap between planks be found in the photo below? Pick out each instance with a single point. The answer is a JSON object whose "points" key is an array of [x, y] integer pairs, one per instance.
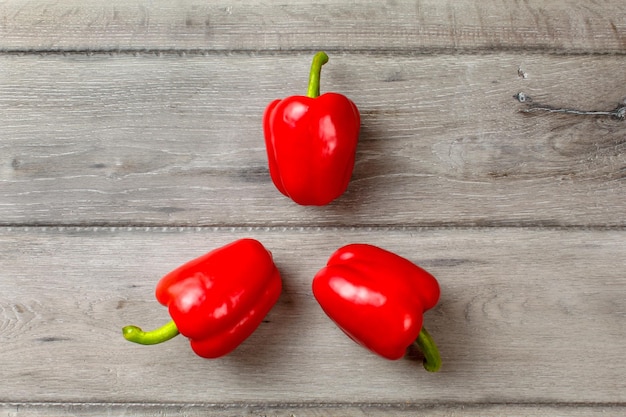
{"points": [[315, 409], [374, 52], [242, 228]]}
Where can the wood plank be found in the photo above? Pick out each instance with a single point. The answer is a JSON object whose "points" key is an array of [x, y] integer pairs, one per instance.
{"points": [[308, 410], [155, 139], [402, 25], [527, 316]]}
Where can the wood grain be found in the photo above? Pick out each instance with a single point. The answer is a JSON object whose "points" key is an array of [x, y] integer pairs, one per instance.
{"points": [[372, 25], [527, 316], [172, 140], [130, 142]]}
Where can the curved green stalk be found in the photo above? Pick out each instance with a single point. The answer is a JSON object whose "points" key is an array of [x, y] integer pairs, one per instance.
{"points": [[426, 344], [319, 59], [160, 335]]}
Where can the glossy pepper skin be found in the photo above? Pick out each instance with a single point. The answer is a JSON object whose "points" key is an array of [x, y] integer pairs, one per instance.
{"points": [[311, 142], [218, 299], [378, 299]]}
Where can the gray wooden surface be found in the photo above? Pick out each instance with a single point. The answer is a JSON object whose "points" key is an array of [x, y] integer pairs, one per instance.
{"points": [[130, 142]]}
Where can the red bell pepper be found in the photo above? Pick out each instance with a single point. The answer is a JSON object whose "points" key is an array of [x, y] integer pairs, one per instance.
{"points": [[311, 142], [378, 299], [216, 300]]}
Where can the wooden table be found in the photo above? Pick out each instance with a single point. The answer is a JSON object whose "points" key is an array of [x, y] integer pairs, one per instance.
{"points": [[131, 142]]}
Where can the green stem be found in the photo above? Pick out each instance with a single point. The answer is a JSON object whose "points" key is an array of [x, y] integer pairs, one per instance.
{"points": [[319, 59], [160, 335], [432, 359]]}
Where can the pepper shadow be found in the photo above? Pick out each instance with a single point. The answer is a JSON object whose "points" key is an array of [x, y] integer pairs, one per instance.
{"points": [[372, 164], [270, 342], [453, 335]]}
